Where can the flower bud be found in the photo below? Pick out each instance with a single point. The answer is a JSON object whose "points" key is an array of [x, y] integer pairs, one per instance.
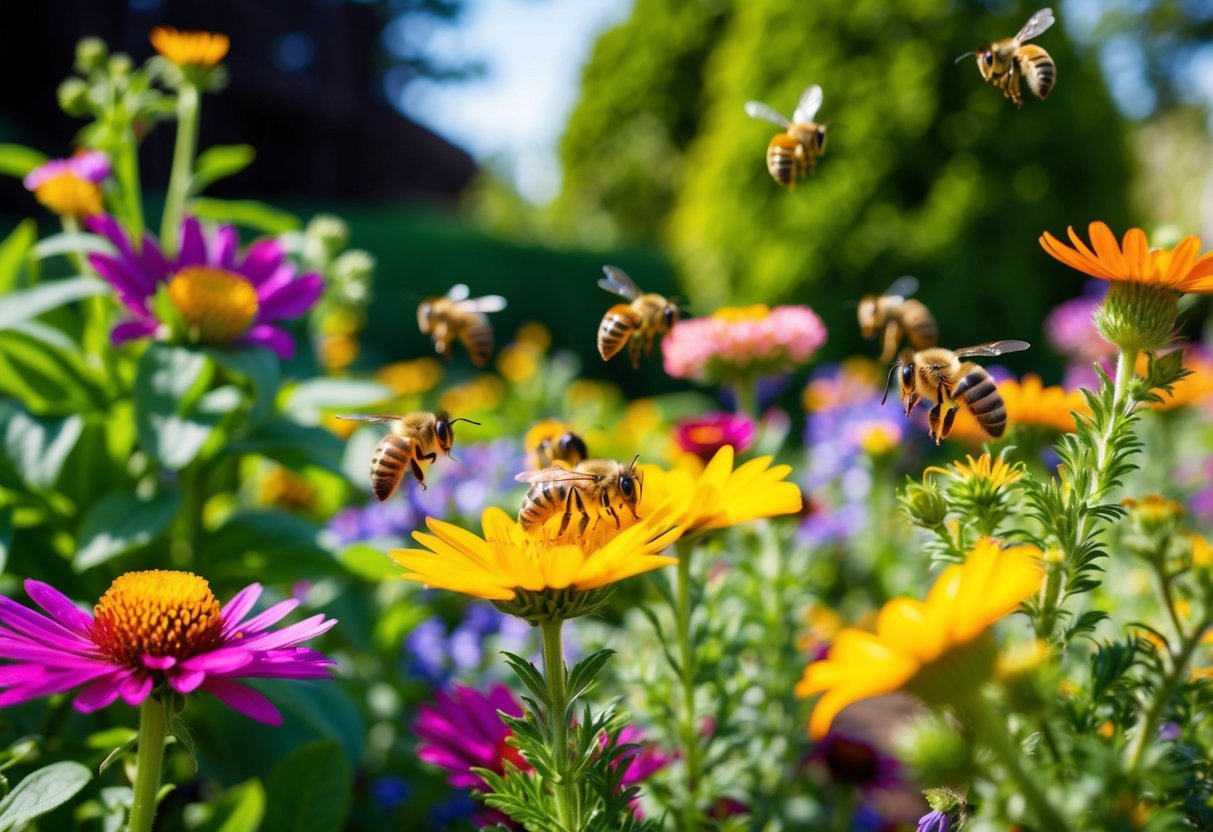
{"points": [[1137, 316], [73, 97], [352, 272], [934, 750], [330, 231], [120, 65], [924, 504], [90, 55]]}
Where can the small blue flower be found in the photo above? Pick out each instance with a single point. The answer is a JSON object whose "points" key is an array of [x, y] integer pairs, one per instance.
{"points": [[934, 821], [390, 791]]}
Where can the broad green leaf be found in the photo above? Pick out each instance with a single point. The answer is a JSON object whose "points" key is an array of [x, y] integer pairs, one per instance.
{"points": [[6, 535], [308, 398], [245, 212], [18, 160], [13, 252], [293, 445], [42, 367], [261, 368], [240, 809], [40, 792], [65, 243], [25, 304], [309, 790], [367, 562], [174, 419], [269, 546], [219, 162], [37, 446], [121, 522]]}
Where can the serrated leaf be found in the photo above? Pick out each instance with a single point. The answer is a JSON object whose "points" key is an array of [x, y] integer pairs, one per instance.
{"points": [[218, 162], [42, 791], [248, 213], [586, 671], [529, 674], [24, 304], [309, 790], [121, 522]]}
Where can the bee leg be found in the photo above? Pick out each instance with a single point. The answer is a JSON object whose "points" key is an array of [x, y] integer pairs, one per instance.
{"points": [[634, 353], [933, 420], [568, 509], [418, 472], [585, 515], [948, 419], [611, 511]]}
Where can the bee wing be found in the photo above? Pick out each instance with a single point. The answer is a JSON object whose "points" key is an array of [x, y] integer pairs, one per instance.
{"points": [[810, 103], [904, 286], [993, 348], [458, 292], [1036, 24], [619, 283], [363, 417], [756, 109], [554, 474], [488, 303]]}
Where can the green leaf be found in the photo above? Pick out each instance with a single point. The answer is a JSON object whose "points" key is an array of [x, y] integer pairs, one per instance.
{"points": [[40, 792], [174, 418], [121, 522], [309, 790], [24, 304], [263, 371], [359, 558], [65, 243], [270, 546], [37, 446], [43, 368], [219, 162], [583, 674], [308, 398], [529, 674], [240, 809], [6, 535], [18, 160], [248, 213], [13, 251], [293, 445]]}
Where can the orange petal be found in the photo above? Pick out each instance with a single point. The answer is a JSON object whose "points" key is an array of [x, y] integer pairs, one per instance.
{"points": [[1137, 254], [1107, 249]]}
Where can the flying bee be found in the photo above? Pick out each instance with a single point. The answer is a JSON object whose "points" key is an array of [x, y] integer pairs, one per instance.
{"points": [[939, 374], [896, 316], [455, 315], [793, 155], [646, 318], [551, 441], [1003, 62], [415, 438], [605, 485]]}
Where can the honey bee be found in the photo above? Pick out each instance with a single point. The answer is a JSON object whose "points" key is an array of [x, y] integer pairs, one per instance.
{"points": [[415, 438], [938, 374], [793, 155], [899, 316], [1002, 62], [646, 318], [550, 442], [602, 484], [455, 315]]}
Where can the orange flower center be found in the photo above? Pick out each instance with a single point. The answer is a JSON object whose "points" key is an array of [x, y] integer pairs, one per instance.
{"points": [[156, 613], [204, 49], [69, 196], [743, 313], [218, 306]]}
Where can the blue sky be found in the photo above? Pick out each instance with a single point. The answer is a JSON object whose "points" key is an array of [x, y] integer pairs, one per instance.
{"points": [[511, 118]]}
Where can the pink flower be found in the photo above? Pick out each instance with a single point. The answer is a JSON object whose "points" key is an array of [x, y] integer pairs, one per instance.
{"points": [[1070, 330], [148, 628], [462, 730], [737, 343], [705, 435]]}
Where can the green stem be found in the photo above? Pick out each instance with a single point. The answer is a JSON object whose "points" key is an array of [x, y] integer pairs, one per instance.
{"points": [[991, 728], [747, 397], [95, 334], [556, 676], [183, 167], [1179, 669], [126, 172], [153, 729], [686, 660]]}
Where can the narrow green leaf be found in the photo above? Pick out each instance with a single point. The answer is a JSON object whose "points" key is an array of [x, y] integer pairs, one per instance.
{"points": [[47, 371], [218, 162], [529, 674], [45, 789], [121, 522], [18, 160], [583, 674], [240, 809], [360, 559], [25, 304], [78, 242], [308, 790], [308, 398], [245, 212], [13, 252]]}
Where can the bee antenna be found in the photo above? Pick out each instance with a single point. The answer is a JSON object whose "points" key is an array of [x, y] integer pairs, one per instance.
{"points": [[462, 419], [632, 467], [962, 57], [888, 382]]}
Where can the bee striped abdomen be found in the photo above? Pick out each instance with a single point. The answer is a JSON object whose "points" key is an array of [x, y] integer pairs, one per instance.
{"points": [[617, 326], [543, 501], [785, 160], [478, 339], [392, 455], [920, 325], [1038, 69], [979, 392]]}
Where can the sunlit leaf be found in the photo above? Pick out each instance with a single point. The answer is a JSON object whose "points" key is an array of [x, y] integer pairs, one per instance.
{"points": [[219, 162], [37, 446], [40, 792], [25, 304], [13, 252], [245, 212], [18, 160], [121, 522]]}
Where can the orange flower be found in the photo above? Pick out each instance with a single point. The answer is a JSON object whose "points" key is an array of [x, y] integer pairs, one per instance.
{"points": [[1178, 268], [201, 49]]}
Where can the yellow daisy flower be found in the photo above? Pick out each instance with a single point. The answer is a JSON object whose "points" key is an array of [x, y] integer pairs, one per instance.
{"points": [[995, 473], [190, 49], [922, 645]]}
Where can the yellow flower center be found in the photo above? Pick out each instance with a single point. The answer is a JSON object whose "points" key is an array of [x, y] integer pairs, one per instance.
{"points": [[218, 306], [742, 313], [878, 438], [156, 613], [69, 196]]}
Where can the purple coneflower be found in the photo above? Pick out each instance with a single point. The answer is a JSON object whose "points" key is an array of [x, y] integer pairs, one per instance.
{"points": [[212, 294], [152, 628], [461, 731]]}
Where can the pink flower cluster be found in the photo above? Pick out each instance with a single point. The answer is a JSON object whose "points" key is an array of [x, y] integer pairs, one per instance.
{"points": [[743, 343]]}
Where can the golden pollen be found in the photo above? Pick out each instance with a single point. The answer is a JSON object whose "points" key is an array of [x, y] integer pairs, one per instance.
{"points": [[217, 305], [156, 613], [69, 195]]}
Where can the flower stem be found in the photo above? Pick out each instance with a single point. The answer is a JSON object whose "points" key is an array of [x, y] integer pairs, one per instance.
{"points": [[747, 397], [686, 660], [1179, 668], [991, 728], [153, 728], [183, 167], [555, 673]]}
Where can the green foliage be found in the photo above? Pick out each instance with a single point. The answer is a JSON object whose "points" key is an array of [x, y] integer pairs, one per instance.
{"points": [[309, 789], [42, 791]]}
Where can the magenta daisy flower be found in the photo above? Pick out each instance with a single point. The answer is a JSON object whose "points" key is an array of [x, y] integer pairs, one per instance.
{"points": [[152, 628], [461, 730], [705, 435], [211, 293]]}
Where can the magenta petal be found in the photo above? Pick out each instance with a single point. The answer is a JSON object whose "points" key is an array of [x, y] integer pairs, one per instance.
{"points": [[293, 299], [292, 635], [193, 246], [222, 660], [152, 261], [108, 227], [244, 700], [236, 609], [284, 275], [158, 662], [28, 624], [60, 607], [134, 689], [133, 289], [187, 681], [130, 330], [223, 247], [261, 260], [269, 617], [99, 694], [274, 337]]}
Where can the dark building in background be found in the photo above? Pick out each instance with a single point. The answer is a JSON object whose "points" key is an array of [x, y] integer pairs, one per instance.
{"points": [[305, 88]]}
